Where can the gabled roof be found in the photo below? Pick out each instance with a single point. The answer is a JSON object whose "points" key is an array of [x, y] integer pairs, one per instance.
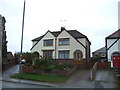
{"points": [[56, 33], [116, 34], [38, 38], [74, 33], [103, 49]]}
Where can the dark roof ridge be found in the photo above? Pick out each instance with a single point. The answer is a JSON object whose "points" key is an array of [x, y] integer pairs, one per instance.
{"points": [[74, 33], [102, 49], [115, 34]]}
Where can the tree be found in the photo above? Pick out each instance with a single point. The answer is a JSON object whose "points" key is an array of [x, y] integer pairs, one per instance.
{"points": [[4, 42]]}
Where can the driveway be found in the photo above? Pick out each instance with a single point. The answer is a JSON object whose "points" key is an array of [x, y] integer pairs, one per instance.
{"points": [[10, 71], [105, 79]]}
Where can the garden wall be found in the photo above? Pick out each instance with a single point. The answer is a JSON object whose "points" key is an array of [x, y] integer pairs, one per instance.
{"points": [[79, 64], [30, 69]]}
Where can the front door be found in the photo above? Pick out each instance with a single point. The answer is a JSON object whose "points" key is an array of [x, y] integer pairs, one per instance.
{"points": [[78, 57], [116, 61]]}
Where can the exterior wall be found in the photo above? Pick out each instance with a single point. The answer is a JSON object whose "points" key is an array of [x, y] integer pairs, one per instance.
{"points": [[0, 37], [87, 50], [114, 48], [85, 42], [1, 46], [34, 42], [39, 47], [74, 45], [119, 15], [82, 40], [119, 45]]}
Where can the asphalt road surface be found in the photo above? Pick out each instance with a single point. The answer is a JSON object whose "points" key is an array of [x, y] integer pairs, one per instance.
{"points": [[6, 84]]}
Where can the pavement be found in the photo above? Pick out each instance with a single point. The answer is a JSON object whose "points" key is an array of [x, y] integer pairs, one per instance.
{"points": [[79, 79]]}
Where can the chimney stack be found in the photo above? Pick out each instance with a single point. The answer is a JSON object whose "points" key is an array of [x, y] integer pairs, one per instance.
{"points": [[63, 28]]}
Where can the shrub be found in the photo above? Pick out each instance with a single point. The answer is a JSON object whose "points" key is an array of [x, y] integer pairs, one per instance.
{"points": [[48, 64], [65, 66], [44, 63], [27, 56], [50, 67]]}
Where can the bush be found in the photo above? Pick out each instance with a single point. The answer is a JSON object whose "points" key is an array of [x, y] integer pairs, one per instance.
{"points": [[50, 67], [65, 66], [49, 64], [44, 63], [27, 56]]}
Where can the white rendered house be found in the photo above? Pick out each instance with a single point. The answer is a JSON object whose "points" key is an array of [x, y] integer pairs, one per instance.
{"points": [[62, 45], [113, 45]]}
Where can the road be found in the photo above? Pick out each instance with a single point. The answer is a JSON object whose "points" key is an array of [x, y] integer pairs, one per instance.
{"points": [[6, 84]]}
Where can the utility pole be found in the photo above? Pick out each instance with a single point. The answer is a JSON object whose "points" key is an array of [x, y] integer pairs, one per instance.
{"points": [[22, 36]]}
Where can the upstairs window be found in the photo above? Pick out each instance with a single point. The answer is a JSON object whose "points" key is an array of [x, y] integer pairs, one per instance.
{"points": [[64, 41], [48, 42]]}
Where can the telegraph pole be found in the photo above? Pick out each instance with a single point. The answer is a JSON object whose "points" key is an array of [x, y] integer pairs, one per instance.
{"points": [[22, 35]]}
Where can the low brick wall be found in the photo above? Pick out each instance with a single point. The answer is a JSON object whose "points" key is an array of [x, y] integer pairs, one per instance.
{"points": [[29, 69], [64, 61], [80, 64]]}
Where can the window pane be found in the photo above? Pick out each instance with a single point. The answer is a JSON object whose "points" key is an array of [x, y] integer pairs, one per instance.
{"points": [[64, 54], [64, 41], [48, 42], [61, 56], [47, 54]]}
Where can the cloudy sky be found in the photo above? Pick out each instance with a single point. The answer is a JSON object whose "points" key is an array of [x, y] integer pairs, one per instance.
{"points": [[94, 18]]}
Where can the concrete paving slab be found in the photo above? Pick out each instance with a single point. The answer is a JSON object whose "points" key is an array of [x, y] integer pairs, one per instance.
{"points": [[105, 75]]}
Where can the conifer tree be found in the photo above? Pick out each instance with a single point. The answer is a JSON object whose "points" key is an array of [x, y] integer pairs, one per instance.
{"points": [[4, 42]]}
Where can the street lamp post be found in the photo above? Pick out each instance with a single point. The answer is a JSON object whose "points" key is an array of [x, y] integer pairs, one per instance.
{"points": [[22, 36]]}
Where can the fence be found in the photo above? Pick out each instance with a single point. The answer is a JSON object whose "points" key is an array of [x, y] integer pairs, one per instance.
{"points": [[102, 65]]}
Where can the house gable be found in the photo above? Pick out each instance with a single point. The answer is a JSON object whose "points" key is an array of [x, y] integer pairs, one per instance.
{"points": [[47, 35], [114, 35], [112, 44], [74, 43]]}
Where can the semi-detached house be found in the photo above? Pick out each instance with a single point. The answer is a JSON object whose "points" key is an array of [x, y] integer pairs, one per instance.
{"points": [[62, 45]]}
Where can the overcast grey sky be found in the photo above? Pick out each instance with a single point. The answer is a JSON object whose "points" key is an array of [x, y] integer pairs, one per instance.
{"points": [[95, 18]]}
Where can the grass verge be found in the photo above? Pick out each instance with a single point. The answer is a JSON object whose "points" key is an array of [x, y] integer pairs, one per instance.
{"points": [[41, 77]]}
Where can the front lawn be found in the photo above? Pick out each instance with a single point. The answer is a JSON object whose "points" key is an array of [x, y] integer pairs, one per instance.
{"points": [[41, 77]]}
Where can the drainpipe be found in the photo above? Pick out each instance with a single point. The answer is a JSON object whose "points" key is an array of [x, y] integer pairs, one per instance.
{"points": [[55, 47]]}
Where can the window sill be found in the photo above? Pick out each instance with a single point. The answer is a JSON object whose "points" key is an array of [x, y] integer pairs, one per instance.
{"points": [[64, 45], [48, 46]]}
